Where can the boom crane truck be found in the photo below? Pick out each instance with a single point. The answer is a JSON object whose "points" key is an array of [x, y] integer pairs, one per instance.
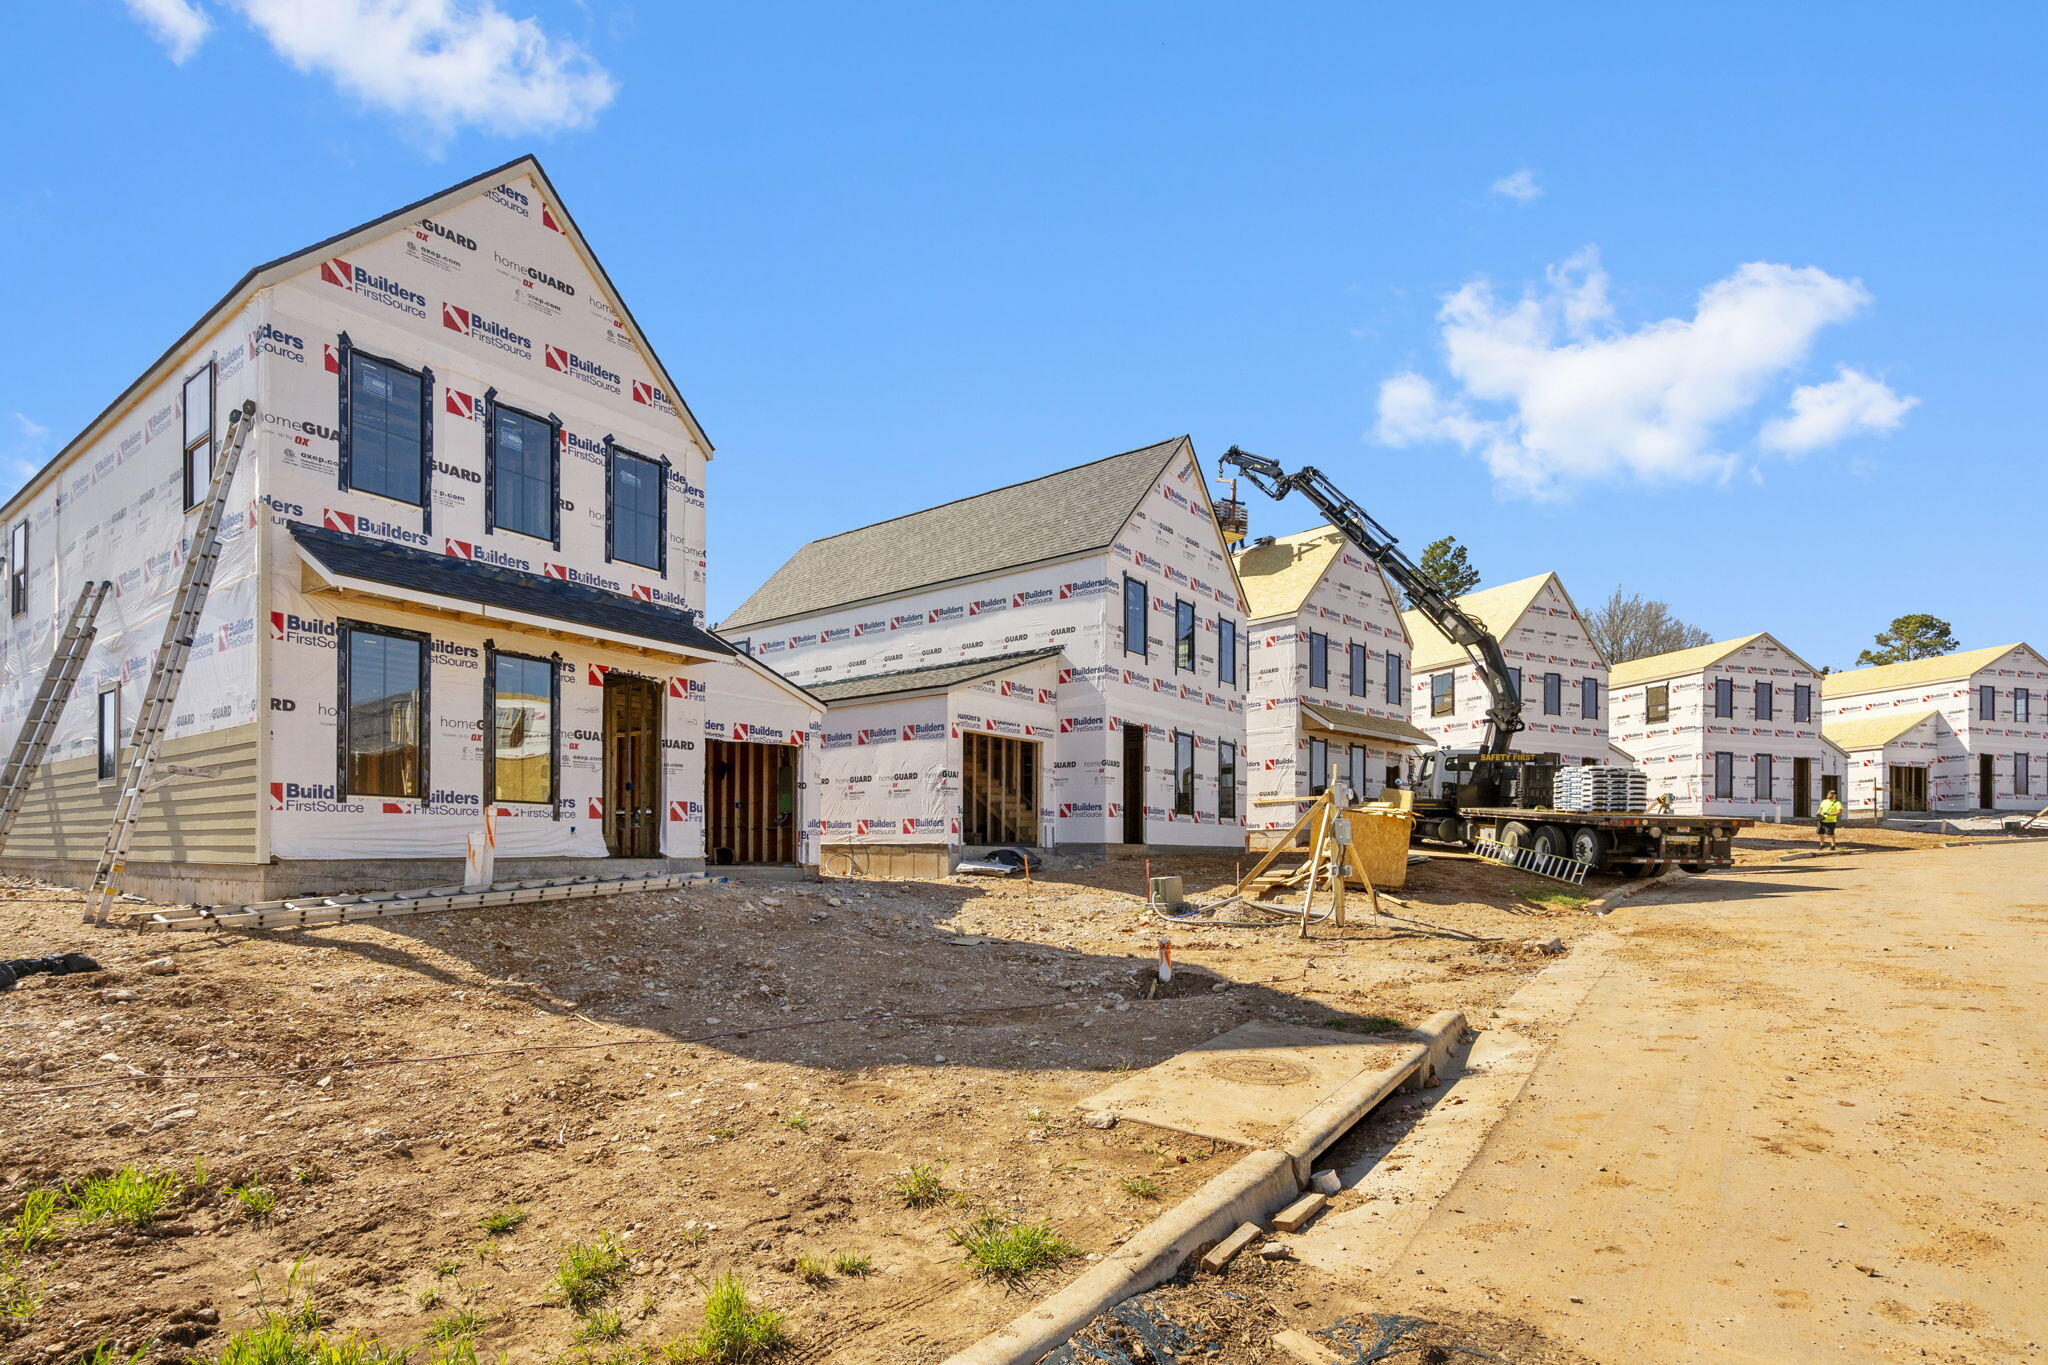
{"points": [[1492, 792]]}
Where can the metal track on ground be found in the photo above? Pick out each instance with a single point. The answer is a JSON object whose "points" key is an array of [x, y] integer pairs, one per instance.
{"points": [[311, 912]]}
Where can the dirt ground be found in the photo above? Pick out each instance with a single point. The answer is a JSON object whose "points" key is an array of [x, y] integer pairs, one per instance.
{"points": [[703, 1075], [1762, 843]]}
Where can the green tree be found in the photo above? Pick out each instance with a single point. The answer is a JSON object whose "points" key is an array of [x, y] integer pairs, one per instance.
{"points": [[1917, 636], [1445, 564]]}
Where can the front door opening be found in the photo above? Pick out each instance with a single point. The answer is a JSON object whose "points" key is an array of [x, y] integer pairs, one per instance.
{"points": [[632, 766], [999, 789], [1802, 788], [1987, 782], [1134, 783], [1908, 787], [749, 802]]}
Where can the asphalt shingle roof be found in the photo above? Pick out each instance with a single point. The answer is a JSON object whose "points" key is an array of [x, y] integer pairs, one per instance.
{"points": [[927, 679], [1055, 517]]}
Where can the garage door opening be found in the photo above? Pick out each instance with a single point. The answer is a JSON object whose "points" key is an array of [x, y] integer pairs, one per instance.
{"points": [[999, 787], [749, 802]]}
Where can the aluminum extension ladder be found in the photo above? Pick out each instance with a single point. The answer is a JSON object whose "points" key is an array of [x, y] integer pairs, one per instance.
{"points": [[47, 707], [169, 670]]}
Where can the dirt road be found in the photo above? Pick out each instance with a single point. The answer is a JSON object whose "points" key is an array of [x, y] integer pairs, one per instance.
{"points": [[1798, 1115]]}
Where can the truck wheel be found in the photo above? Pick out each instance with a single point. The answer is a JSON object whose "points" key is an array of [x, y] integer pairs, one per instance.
{"points": [[1695, 867], [1450, 831], [1590, 846], [1551, 840], [1514, 834]]}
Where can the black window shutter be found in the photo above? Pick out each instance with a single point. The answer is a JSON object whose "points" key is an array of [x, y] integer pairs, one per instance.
{"points": [[555, 734], [426, 451], [610, 498], [347, 350], [422, 727], [555, 482], [490, 459], [341, 639], [490, 723], [661, 522]]}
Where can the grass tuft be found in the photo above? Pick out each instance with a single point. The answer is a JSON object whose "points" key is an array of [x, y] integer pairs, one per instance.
{"points": [[36, 1222], [921, 1185], [1371, 1023], [799, 1121], [127, 1197], [20, 1296], [258, 1201], [503, 1221], [853, 1263], [106, 1353], [589, 1272], [734, 1330], [456, 1324], [602, 1324], [1010, 1252], [1139, 1187], [812, 1269]]}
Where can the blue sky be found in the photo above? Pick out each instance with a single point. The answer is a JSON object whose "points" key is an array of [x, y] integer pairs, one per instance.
{"points": [[1740, 306]]}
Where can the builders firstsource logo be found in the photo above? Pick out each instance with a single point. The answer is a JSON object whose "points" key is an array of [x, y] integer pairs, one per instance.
{"points": [[356, 525], [652, 396], [310, 796], [483, 554], [291, 628], [268, 340], [336, 271], [589, 371], [474, 325]]}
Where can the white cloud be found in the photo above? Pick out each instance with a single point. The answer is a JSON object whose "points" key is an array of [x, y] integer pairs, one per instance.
{"points": [[24, 449], [178, 24], [1822, 414], [450, 63], [1520, 187], [1551, 389]]}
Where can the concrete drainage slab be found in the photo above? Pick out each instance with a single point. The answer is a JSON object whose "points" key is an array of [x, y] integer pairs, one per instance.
{"points": [[1251, 1085]]}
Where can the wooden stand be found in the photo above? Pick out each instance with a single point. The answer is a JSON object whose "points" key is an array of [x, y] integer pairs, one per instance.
{"points": [[1333, 861]]}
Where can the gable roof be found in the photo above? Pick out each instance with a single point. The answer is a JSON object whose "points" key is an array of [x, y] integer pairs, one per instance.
{"points": [[1498, 609], [1915, 672], [271, 272], [1386, 728], [1872, 732], [1279, 575], [752, 664], [931, 678], [1057, 516], [1657, 667]]}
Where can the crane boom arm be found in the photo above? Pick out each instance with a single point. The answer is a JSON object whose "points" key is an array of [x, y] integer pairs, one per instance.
{"points": [[1504, 716]]}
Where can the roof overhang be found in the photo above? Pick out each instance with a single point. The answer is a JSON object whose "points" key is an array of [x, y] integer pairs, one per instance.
{"points": [[1380, 729]]}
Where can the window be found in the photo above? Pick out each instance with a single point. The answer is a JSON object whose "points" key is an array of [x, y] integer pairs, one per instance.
{"points": [[1443, 696], [1137, 604], [1724, 776], [1354, 771], [1764, 789], [1987, 702], [1515, 682], [198, 436], [17, 569], [521, 471], [1724, 697], [1657, 703], [1589, 698], [383, 712], [1318, 660], [1183, 636], [1226, 650], [1802, 702], [521, 708], [1183, 773], [1226, 780], [636, 521], [1358, 668], [2021, 778], [109, 733], [1394, 697], [1764, 700], [1318, 766], [386, 429], [2022, 705], [1553, 694]]}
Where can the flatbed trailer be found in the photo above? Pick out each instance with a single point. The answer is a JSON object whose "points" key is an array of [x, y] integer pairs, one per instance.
{"points": [[1627, 842]]}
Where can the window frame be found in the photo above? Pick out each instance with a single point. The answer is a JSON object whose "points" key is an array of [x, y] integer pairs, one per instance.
{"points": [[1764, 703], [1226, 780], [1724, 775], [1553, 694], [1657, 704], [553, 664], [1361, 665], [1144, 604], [1443, 702], [1318, 759], [345, 631], [1394, 665], [613, 454], [195, 489], [346, 443], [1183, 772], [1187, 625], [1589, 698], [1802, 703], [1724, 699], [1226, 651], [1515, 683], [107, 764], [1356, 757], [1765, 782], [1987, 701], [1318, 660], [18, 540], [2023, 706], [492, 407], [2022, 774]]}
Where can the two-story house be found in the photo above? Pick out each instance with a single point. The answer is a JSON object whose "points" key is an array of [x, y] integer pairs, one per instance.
{"points": [[462, 570], [1963, 731], [1057, 661], [1732, 728], [1552, 662], [1327, 693]]}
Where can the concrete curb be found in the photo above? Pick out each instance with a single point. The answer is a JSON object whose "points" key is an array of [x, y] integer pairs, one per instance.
{"points": [[1249, 1191], [1630, 890]]}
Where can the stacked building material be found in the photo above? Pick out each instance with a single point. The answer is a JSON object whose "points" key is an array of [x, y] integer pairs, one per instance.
{"points": [[1600, 788]]}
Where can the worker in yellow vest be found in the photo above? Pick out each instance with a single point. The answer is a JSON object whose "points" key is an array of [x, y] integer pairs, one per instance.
{"points": [[1830, 820]]}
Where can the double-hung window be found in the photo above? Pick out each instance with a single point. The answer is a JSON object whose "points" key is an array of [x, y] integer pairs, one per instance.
{"points": [[1318, 659], [522, 470], [1724, 698], [636, 512], [1226, 780], [2022, 705], [1183, 773], [1764, 701], [1987, 702], [383, 711], [1724, 776], [1515, 682], [1137, 613], [1394, 697], [1318, 766], [1765, 790], [1354, 776], [1183, 636], [1358, 677], [17, 569], [1802, 702], [198, 462], [1553, 694], [1657, 704], [1226, 650], [520, 714], [1589, 698], [1443, 694], [387, 426], [2022, 779], [109, 735]]}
